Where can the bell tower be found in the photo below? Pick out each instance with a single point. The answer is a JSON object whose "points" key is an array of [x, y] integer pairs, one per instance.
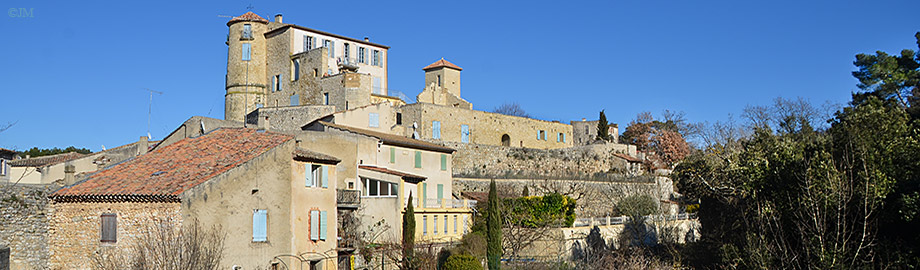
{"points": [[246, 82], [444, 75]]}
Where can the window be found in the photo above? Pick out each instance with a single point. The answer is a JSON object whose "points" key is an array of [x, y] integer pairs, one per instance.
{"points": [[295, 100], [276, 83], [316, 175], [377, 89], [418, 159], [109, 230], [434, 227], [464, 133], [325, 98], [362, 55], [441, 194], [307, 43], [247, 51], [392, 154], [373, 120], [466, 227], [541, 135], [443, 162], [377, 188], [439, 80], [375, 60], [331, 45], [455, 224], [247, 31], [314, 225], [399, 118], [296, 71], [3, 168], [259, 225], [347, 52], [436, 130], [424, 225], [445, 224]]}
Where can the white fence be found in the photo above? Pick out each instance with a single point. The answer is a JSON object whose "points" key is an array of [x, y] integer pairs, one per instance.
{"points": [[606, 221]]}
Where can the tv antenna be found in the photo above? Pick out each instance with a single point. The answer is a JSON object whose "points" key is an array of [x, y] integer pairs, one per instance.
{"points": [[150, 108]]}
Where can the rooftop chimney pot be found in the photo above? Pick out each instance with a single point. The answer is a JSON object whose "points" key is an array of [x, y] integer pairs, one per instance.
{"points": [[366, 39], [278, 18]]}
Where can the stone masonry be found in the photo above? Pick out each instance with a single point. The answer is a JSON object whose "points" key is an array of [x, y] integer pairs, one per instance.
{"points": [[24, 219]]}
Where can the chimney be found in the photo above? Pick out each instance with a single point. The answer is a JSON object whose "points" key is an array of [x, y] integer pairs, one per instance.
{"points": [[584, 119], [69, 170], [278, 18], [366, 39], [142, 145]]}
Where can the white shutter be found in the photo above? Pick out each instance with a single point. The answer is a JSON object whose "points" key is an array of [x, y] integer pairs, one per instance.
{"points": [[323, 227], [308, 172], [314, 225], [324, 176]]}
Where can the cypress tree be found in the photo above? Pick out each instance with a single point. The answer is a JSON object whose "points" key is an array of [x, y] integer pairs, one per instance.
{"points": [[526, 192], [493, 230], [408, 236], [602, 124]]}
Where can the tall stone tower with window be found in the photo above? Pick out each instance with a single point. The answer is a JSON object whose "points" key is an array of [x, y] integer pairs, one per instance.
{"points": [[246, 62]]}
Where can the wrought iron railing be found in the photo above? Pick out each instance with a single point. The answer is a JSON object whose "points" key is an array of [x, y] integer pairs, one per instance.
{"points": [[347, 196]]}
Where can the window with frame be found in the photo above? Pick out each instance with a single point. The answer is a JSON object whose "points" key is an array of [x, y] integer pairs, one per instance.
{"points": [[362, 55], [325, 98], [295, 70], [424, 225], [375, 58], [436, 130], [307, 43], [347, 52], [445, 224], [260, 225], [247, 31], [434, 220], [108, 228], [377, 188], [319, 225], [455, 224], [331, 46], [276, 83], [3, 169], [316, 175]]}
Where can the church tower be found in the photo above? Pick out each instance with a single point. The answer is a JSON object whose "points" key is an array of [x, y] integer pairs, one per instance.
{"points": [[444, 75], [246, 81]]}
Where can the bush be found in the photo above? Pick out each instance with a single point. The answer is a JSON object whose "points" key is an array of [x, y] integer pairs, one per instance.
{"points": [[462, 262], [540, 211], [637, 205]]}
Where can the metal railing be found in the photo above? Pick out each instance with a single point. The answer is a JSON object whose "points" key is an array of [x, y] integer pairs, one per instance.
{"points": [[448, 203], [607, 221], [347, 196]]}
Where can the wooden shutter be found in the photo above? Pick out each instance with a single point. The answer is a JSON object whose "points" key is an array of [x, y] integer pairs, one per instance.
{"points": [[441, 195], [325, 176], [435, 129], [443, 162], [308, 173], [418, 159], [323, 227], [259, 225], [247, 50], [109, 228], [464, 133], [392, 154], [314, 225]]}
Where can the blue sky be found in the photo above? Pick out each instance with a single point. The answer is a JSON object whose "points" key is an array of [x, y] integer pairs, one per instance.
{"points": [[74, 72]]}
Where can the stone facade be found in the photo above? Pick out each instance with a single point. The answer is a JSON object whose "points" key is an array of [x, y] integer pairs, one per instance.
{"points": [[24, 215], [590, 162], [287, 119], [585, 132]]}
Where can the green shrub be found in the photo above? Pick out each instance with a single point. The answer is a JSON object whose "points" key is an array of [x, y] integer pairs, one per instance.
{"points": [[462, 262], [637, 205]]}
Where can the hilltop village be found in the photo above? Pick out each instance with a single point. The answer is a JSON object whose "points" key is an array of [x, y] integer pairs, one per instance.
{"points": [[314, 160]]}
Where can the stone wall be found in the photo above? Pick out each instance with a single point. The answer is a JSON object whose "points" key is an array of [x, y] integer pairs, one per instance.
{"points": [[585, 132], [589, 162], [74, 234], [24, 218], [288, 118]]}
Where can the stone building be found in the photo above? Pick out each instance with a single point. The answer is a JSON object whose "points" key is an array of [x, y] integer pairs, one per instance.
{"points": [[273, 64], [65, 168], [273, 198], [584, 132]]}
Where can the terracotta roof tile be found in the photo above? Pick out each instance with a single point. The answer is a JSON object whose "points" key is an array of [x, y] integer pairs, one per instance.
{"points": [[248, 16], [45, 160], [442, 63], [173, 169], [392, 172], [310, 156], [392, 139], [628, 158]]}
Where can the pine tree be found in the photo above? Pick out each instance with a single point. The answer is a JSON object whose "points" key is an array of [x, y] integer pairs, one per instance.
{"points": [[408, 236], [602, 127], [493, 230]]}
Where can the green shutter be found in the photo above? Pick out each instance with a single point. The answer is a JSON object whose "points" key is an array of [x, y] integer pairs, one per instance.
{"points": [[443, 162], [441, 193], [392, 154], [418, 159]]}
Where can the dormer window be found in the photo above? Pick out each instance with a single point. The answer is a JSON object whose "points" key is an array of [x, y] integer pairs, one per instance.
{"points": [[247, 31]]}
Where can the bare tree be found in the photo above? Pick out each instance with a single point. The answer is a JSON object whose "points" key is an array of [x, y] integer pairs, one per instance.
{"points": [[511, 108], [161, 245]]}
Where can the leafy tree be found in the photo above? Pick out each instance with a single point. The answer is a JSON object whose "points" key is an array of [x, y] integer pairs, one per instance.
{"points": [[891, 77], [37, 152], [493, 230], [408, 236], [662, 139], [637, 205], [512, 108], [603, 127], [462, 262]]}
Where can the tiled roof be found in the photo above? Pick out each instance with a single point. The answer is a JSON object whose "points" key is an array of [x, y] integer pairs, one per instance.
{"points": [[310, 156], [392, 172], [162, 175], [628, 157], [249, 16], [441, 63], [392, 139], [4, 150], [45, 160]]}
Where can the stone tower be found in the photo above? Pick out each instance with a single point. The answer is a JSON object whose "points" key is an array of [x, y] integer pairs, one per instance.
{"points": [[246, 62], [445, 75]]}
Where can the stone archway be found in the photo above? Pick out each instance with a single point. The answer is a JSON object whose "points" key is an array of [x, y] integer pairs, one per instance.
{"points": [[506, 140]]}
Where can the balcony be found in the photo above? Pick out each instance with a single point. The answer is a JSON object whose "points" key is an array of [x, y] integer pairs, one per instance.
{"points": [[347, 198], [444, 203]]}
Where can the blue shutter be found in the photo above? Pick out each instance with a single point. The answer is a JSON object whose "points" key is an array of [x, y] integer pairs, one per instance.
{"points": [[295, 100], [464, 133], [322, 225], [563, 137], [259, 220], [247, 51], [373, 120], [435, 129], [314, 225], [305, 43], [280, 81], [308, 171], [325, 176]]}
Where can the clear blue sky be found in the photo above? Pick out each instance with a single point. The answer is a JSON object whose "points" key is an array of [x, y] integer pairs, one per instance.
{"points": [[74, 72]]}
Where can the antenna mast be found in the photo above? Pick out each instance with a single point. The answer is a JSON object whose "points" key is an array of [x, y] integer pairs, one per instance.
{"points": [[150, 108]]}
